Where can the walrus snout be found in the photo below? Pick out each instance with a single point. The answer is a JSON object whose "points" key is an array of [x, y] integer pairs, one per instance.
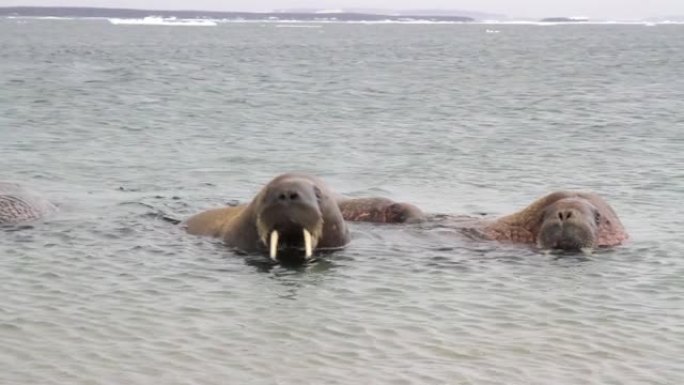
{"points": [[292, 192], [289, 206], [568, 227]]}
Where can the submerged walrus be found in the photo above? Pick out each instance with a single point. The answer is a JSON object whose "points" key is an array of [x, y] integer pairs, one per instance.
{"points": [[292, 214], [561, 220], [18, 204]]}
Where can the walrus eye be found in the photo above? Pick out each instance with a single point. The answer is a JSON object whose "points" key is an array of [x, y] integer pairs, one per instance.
{"points": [[319, 194], [597, 217]]}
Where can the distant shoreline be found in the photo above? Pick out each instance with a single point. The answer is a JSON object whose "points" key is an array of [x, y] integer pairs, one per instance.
{"points": [[183, 14], [313, 16]]}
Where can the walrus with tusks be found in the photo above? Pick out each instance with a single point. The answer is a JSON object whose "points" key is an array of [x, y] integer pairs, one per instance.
{"points": [[293, 214], [561, 220], [18, 204]]}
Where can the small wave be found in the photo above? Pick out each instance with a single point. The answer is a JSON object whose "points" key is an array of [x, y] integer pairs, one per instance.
{"points": [[172, 21]]}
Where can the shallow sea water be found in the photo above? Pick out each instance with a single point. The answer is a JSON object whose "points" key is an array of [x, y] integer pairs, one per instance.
{"points": [[119, 123]]}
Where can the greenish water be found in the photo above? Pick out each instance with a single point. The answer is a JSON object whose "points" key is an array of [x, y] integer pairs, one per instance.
{"points": [[116, 123]]}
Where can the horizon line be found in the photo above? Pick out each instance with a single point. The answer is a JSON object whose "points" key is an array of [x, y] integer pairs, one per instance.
{"points": [[342, 10]]}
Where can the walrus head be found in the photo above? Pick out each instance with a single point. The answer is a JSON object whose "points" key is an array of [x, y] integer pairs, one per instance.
{"points": [[569, 224], [403, 213], [290, 218]]}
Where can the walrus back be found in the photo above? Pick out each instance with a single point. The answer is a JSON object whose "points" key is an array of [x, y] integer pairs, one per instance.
{"points": [[19, 205], [212, 222]]}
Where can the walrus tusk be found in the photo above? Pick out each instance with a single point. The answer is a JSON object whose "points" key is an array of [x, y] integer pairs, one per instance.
{"points": [[274, 246], [308, 244], [588, 251]]}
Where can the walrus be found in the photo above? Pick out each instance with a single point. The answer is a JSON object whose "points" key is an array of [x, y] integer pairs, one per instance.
{"points": [[18, 204], [293, 213], [561, 220]]}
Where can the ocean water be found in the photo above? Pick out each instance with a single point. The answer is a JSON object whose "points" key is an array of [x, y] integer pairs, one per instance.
{"points": [[117, 124]]}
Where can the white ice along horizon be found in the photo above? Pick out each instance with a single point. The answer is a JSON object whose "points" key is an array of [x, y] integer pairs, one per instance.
{"points": [[162, 21]]}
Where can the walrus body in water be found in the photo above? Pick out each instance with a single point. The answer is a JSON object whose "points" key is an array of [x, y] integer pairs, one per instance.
{"points": [[562, 220], [291, 217], [18, 204], [379, 210]]}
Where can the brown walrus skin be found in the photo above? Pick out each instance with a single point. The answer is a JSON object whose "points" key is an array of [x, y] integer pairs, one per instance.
{"points": [[289, 206], [18, 204], [379, 210], [561, 220]]}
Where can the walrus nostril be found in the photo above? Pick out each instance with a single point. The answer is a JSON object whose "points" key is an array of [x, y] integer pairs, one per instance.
{"points": [[288, 196], [564, 215]]}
